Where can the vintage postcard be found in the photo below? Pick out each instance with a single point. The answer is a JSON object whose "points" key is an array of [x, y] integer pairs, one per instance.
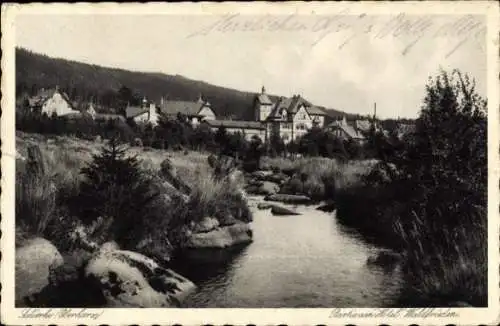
{"points": [[264, 163]]}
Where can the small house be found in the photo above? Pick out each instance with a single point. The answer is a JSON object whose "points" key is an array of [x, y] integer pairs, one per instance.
{"points": [[195, 112], [52, 101], [145, 113]]}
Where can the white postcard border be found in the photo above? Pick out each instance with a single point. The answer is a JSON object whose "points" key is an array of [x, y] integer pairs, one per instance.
{"points": [[118, 316]]}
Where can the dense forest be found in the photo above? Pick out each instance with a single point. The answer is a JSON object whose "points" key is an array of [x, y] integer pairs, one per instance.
{"points": [[85, 82]]}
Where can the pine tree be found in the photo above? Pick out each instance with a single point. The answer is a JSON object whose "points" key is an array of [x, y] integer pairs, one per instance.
{"points": [[114, 187]]}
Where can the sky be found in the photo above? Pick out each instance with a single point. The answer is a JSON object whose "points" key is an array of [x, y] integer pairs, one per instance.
{"points": [[345, 62]]}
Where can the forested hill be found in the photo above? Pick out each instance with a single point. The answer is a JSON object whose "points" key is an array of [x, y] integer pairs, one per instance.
{"points": [[84, 82]]}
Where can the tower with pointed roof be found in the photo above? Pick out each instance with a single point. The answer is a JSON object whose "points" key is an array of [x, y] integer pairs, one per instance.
{"points": [[263, 106]]}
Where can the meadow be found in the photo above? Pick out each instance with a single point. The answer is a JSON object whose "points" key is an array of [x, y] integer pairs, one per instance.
{"points": [[44, 200]]}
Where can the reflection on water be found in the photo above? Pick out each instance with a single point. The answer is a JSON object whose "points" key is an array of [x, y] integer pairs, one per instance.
{"points": [[306, 260]]}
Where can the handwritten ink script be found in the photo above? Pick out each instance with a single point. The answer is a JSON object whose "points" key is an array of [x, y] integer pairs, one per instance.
{"points": [[394, 313], [49, 314], [411, 29]]}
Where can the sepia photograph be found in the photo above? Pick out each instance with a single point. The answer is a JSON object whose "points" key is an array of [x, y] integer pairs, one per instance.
{"points": [[231, 158]]}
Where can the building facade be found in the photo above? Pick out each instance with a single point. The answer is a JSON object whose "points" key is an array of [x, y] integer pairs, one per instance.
{"points": [[248, 129], [287, 118]]}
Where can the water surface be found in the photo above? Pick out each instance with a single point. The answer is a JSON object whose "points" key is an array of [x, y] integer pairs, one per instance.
{"points": [[307, 260]]}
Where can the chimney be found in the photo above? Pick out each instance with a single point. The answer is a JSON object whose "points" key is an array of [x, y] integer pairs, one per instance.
{"points": [[263, 90]]}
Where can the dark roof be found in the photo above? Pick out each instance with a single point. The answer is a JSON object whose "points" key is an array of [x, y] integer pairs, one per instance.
{"points": [[185, 107], [291, 105], [315, 110], [73, 115], [108, 116], [45, 94], [134, 111], [348, 128], [236, 124]]}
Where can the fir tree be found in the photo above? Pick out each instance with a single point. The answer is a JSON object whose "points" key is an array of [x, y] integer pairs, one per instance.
{"points": [[114, 187]]}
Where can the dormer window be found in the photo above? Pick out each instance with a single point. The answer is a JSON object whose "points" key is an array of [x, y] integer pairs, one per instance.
{"points": [[284, 114]]}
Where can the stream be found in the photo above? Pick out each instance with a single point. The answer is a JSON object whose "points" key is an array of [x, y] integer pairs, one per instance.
{"points": [[307, 260]]}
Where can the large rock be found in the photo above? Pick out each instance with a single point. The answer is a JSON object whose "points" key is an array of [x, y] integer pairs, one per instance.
{"points": [[264, 205], [268, 188], [278, 178], [263, 188], [156, 246], [290, 199], [129, 279], [327, 207], [227, 219], [169, 174], [260, 175], [224, 237], [280, 210], [168, 191], [35, 261], [207, 224]]}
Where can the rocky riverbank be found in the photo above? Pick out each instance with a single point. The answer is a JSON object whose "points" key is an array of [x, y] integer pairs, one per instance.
{"points": [[58, 254]]}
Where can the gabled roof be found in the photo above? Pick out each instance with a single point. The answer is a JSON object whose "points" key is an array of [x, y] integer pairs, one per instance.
{"points": [[235, 124], [291, 105], [363, 125], [185, 107], [134, 111], [264, 99], [44, 94], [350, 130]]}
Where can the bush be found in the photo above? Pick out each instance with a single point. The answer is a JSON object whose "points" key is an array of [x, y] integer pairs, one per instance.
{"points": [[427, 197]]}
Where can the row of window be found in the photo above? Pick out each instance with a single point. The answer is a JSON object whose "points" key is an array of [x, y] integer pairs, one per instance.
{"points": [[299, 126]]}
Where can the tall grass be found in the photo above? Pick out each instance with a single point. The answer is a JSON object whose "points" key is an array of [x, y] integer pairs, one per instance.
{"points": [[451, 269], [319, 177], [35, 202], [38, 196]]}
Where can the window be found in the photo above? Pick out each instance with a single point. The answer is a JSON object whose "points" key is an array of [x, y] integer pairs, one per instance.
{"points": [[301, 126]]}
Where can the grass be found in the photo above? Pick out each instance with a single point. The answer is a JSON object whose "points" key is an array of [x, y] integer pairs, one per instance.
{"points": [[438, 275], [316, 176], [40, 200]]}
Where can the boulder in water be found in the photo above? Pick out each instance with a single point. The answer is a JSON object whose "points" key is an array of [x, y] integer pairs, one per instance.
{"points": [[327, 207], [207, 224], [261, 175], [227, 219], [280, 210], [264, 205], [129, 279], [35, 261], [224, 237], [268, 188], [278, 178], [289, 199]]}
